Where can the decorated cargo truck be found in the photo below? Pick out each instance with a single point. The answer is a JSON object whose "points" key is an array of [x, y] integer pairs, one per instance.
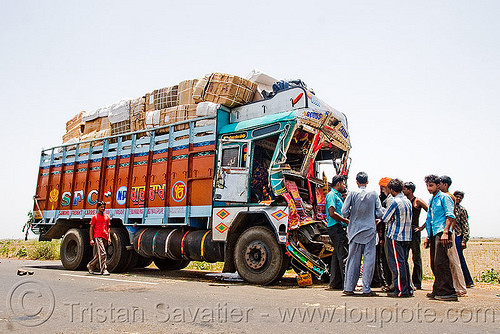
{"points": [[240, 185]]}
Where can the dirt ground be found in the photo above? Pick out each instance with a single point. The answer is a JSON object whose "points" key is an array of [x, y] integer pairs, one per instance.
{"points": [[481, 255]]}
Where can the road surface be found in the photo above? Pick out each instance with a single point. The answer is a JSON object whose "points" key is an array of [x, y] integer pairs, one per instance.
{"points": [[54, 300]]}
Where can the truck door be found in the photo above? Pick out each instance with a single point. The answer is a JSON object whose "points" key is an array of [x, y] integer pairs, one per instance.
{"points": [[233, 171]]}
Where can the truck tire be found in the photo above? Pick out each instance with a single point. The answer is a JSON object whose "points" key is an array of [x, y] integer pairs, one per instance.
{"points": [[259, 258], [75, 249], [284, 267], [118, 257], [167, 264], [132, 262]]}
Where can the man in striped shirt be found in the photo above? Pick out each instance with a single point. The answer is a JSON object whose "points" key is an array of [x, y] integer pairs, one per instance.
{"points": [[398, 218]]}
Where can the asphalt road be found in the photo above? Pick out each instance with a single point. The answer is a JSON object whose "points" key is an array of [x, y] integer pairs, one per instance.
{"points": [[54, 300]]}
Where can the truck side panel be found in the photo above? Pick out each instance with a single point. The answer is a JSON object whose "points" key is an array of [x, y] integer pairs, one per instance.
{"points": [[146, 178]]}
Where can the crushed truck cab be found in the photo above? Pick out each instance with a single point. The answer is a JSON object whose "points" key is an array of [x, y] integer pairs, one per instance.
{"points": [[239, 185]]}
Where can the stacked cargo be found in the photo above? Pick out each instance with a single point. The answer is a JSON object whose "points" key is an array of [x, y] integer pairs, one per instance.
{"points": [[137, 117], [187, 100], [185, 92], [73, 129]]}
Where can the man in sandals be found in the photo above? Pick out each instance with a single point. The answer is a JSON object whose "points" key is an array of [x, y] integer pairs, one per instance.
{"points": [[399, 233], [99, 237], [361, 207], [440, 217]]}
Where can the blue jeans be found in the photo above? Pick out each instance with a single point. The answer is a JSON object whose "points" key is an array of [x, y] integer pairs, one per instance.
{"points": [[463, 264]]}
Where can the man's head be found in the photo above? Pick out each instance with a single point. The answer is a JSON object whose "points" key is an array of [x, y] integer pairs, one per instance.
{"points": [[432, 181], [344, 193], [444, 183], [338, 183], [459, 196], [101, 207], [383, 185], [362, 179], [395, 186], [409, 189]]}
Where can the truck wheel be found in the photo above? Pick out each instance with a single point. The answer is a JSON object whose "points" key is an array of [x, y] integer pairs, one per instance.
{"points": [[117, 254], [132, 262], [167, 264], [259, 258], [75, 249]]}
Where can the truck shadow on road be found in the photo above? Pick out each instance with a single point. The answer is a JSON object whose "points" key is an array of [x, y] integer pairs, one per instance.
{"points": [[53, 266], [210, 277]]}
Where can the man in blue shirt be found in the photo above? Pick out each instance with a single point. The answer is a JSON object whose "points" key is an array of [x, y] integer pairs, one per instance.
{"points": [[398, 219], [438, 224], [337, 232]]}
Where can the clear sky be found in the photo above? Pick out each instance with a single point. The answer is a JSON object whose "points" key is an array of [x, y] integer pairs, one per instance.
{"points": [[419, 81]]}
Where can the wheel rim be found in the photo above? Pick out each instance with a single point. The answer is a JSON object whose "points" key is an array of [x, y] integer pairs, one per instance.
{"points": [[71, 250], [256, 255], [110, 250]]}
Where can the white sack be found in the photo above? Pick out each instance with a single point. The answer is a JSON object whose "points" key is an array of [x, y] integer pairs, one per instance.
{"points": [[152, 119], [206, 108], [263, 80], [96, 113], [119, 111]]}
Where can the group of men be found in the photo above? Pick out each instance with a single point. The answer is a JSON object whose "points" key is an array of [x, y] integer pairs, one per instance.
{"points": [[380, 231]]}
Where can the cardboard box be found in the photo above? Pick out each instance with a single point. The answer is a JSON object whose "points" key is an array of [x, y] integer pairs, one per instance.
{"points": [[120, 128], [185, 92], [185, 113], [178, 114], [165, 97], [91, 126], [73, 133], [152, 119], [137, 105], [98, 124], [88, 136], [229, 90], [95, 135], [105, 124], [150, 102], [199, 89], [137, 122], [168, 116], [137, 114], [75, 121]]}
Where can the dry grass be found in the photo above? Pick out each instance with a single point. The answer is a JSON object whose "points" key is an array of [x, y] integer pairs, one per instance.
{"points": [[197, 265], [481, 255], [30, 249]]}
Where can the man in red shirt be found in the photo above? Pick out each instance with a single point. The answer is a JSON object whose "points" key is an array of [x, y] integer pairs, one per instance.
{"points": [[99, 237]]}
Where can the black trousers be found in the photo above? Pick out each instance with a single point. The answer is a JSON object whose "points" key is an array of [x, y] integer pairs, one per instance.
{"points": [[416, 255], [397, 252], [338, 235], [440, 265], [378, 274]]}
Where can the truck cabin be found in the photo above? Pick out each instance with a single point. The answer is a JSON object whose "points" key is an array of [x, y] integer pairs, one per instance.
{"points": [[297, 149]]}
